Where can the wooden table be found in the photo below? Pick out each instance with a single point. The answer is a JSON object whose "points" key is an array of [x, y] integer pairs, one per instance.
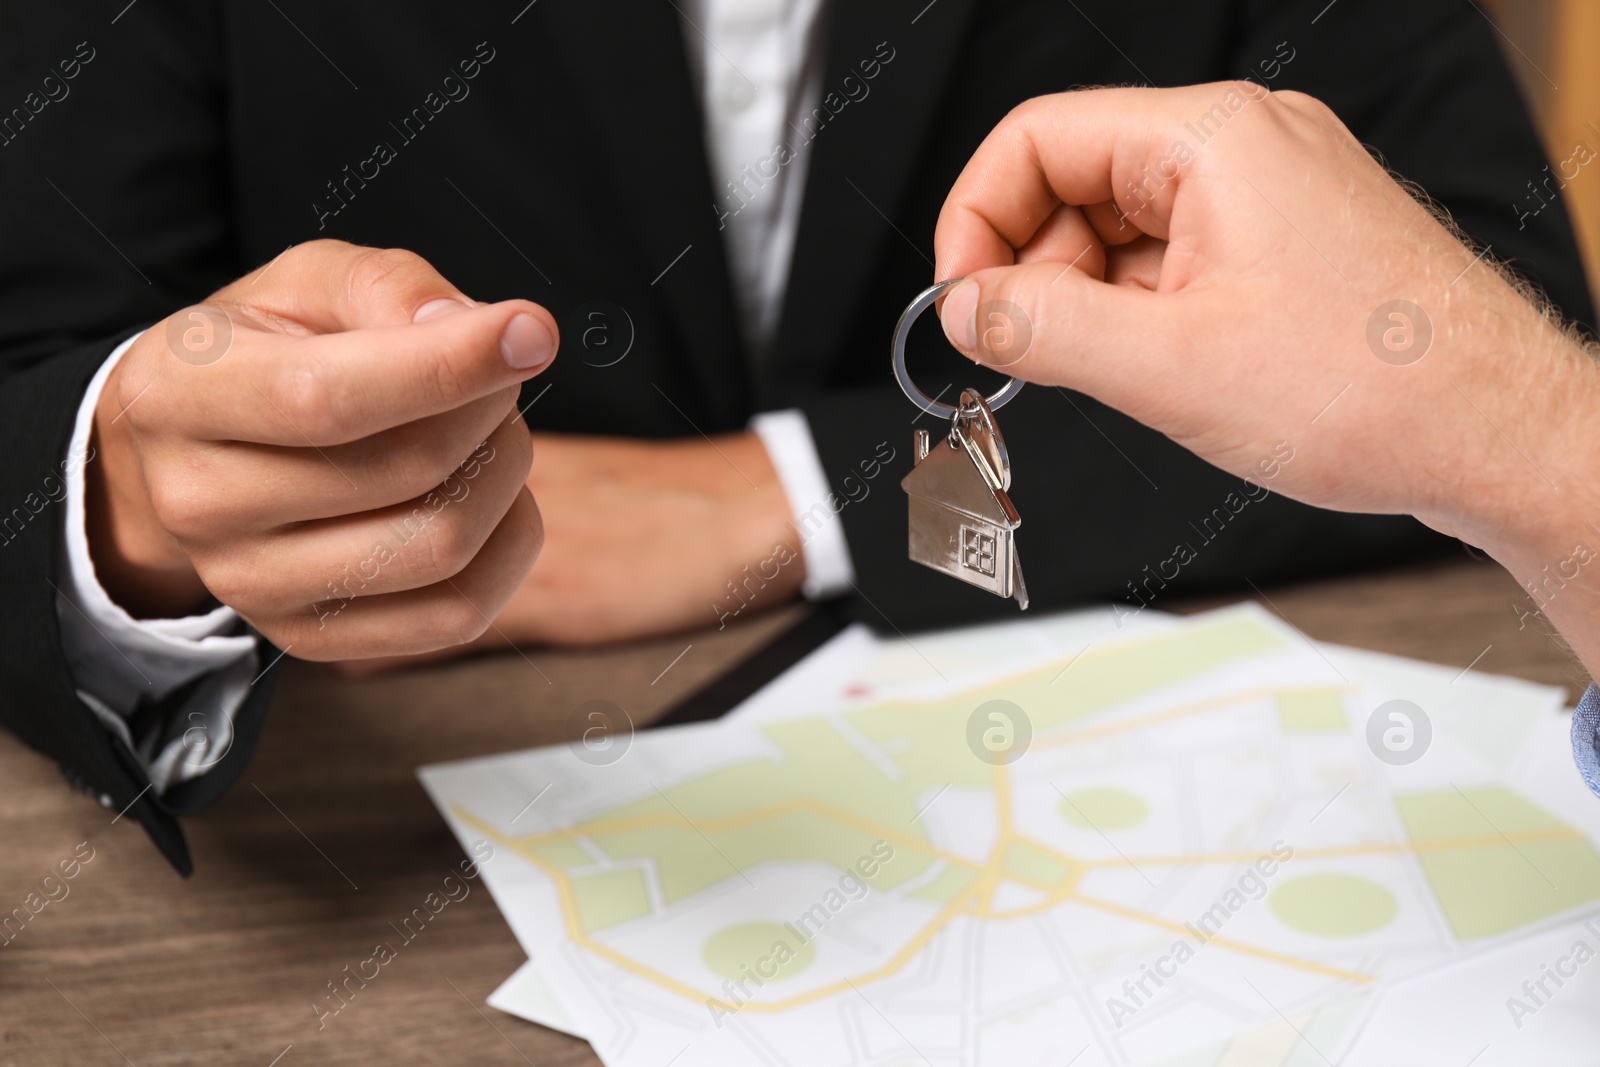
{"points": [[328, 838]]}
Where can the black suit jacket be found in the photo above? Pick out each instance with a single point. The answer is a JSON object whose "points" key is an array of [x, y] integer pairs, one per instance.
{"points": [[555, 151]]}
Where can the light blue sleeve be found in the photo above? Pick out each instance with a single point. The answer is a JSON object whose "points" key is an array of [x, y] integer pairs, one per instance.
{"points": [[1586, 738]]}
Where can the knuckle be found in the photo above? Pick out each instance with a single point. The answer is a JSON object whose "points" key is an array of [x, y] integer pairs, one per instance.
{"points": [[134, 380], [432, 470], [519, 442], [459, 621], [1295, 98], [232, 584], [450, 547], [417, 464], [1290, 108], [308, 630], [305, 398], [528, 533], [448, 382], [374, 269], [308, 259], [282, 634], [1030, 109], [319, 248], [136, 377], [182, 506]]}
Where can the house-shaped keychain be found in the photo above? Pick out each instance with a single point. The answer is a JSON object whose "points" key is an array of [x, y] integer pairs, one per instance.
{"points": [[961, 520]]}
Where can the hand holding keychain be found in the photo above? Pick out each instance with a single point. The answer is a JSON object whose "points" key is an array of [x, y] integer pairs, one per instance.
{"points": [[961, 521]]}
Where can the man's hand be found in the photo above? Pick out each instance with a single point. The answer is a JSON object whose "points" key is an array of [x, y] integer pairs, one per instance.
{"points": [[1249, 280], [331, 446], [644, 538]]}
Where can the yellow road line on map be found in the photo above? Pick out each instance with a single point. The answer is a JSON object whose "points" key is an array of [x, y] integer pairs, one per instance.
{"points": [[911, 840], [1199, 707], [989, 878], [569, 912], [894, 964], [665, 818], [1048, 850], [1237, 946], [1121, 648], [977, 898], [991, 875], [569, 908], [1055, 893], [735, 822], [1561, 833]]}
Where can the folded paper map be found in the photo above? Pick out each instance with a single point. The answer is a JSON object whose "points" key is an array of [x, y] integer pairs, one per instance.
{"points": [[1189, 842]]}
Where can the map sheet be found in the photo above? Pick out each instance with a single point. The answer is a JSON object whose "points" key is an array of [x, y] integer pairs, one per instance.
{"points": [[1190, 842]]}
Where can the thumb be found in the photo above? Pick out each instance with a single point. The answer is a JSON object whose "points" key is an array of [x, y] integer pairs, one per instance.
{"points": [[1052, 324]]}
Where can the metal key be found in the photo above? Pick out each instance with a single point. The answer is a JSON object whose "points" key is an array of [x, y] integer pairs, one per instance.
{"points": [[961, 521]]}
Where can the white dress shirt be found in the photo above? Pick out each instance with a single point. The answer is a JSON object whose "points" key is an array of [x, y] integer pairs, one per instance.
{"points": [[119, 662], [757, 65]]}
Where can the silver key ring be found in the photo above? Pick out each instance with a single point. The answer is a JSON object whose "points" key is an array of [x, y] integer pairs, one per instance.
{"points": [[902, 330]]}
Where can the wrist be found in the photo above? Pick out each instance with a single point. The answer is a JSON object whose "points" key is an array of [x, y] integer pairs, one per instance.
{"points": [[1535, 505], [141, 567], [1535, 483], [764, 521], [756, 517]]}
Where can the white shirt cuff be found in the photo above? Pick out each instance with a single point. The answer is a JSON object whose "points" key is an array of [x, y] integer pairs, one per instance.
{"points": [[793, 451], [119, 662]]}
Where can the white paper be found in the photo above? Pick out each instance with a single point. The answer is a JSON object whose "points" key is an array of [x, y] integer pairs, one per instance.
{"points": [[1186, 717]]}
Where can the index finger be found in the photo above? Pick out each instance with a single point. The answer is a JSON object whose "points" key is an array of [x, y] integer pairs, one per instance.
{"points": [[329, 286], [1082, 149], [331, 389]]}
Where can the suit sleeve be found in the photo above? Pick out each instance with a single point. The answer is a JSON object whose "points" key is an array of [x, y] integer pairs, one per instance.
{"points": [[112, 162], [1112, 510]]}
